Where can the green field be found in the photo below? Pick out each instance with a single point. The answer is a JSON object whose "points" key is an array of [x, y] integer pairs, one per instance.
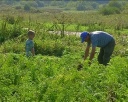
{"points": [[52, 75]]}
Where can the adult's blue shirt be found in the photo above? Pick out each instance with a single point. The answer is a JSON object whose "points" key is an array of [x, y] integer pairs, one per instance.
{"points": [[100, 38]]}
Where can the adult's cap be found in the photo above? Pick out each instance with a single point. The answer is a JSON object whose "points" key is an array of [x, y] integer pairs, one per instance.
{"points": [[83, 36]]}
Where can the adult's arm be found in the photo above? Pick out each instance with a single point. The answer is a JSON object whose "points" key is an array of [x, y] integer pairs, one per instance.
{"points": [[86, 52], [92, 53]]}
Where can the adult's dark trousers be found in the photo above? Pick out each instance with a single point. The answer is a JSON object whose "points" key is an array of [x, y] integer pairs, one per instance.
{"points": [[106, 52]]}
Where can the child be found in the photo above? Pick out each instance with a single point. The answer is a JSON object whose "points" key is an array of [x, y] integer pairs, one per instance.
{"points": [[29, 47]]}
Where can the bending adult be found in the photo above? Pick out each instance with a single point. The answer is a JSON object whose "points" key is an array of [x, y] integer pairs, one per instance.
{"points": [[100, 39]]}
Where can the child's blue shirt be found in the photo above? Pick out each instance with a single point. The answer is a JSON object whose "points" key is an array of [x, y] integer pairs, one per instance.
{"points": [[28, 47]]}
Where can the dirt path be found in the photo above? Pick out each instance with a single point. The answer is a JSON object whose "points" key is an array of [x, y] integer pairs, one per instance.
{"points": [[66, 33]]}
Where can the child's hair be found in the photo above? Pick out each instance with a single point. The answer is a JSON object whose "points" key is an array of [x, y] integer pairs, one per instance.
{"points": [[31, 32]]}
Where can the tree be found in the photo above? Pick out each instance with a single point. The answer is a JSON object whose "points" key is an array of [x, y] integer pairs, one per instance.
{"points": [[94, 5], [40, 3], [9, 2], [17, 0], [113, 7], [80, 6], [26, 7], [109, 10], [115, 3]]}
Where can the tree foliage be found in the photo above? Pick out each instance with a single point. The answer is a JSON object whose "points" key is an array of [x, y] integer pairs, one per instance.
{"points": [[26, 7], [113, 7], [79, 5]]}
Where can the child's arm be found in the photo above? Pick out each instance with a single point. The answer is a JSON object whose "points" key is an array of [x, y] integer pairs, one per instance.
{"points": [[33, 51]]}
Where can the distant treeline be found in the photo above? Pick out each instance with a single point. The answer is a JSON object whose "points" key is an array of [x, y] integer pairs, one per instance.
{"points": [[66, 4], [105, 7]]}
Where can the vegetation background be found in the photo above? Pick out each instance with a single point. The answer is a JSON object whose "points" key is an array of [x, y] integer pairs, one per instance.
{"points": [[52, 75]]}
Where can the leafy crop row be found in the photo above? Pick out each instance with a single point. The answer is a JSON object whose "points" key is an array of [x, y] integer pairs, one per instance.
{"points": [[53, 79]]}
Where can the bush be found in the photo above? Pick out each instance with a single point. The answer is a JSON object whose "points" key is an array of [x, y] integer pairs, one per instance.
{"points": [[40, 3], [18, 7], [49, 48], [26, 7], [80, 7], [110, 10], [10, 19], [2, 39], [32, 4], [116, 4], [113, 7]]}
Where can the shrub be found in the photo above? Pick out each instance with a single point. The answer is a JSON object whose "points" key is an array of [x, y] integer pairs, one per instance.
{"points": [[26, 7], [49, 48], [80, 7], [40, 3], [10, 19], [18, 7], [32, 4], [110, 10], [113, 7], [116, 4]]}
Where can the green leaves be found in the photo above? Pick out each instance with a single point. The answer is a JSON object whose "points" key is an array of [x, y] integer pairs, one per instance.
{"points": [[43, 78]]}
